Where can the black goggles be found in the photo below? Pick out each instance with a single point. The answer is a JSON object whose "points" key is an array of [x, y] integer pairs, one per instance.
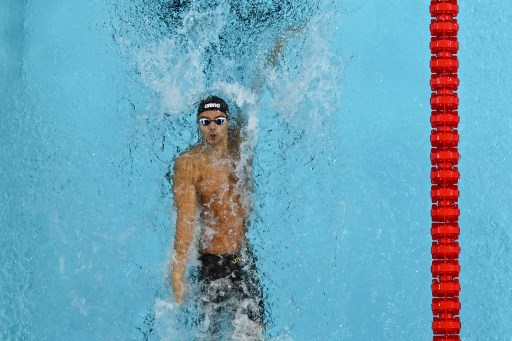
{"points": [[218, 121]]}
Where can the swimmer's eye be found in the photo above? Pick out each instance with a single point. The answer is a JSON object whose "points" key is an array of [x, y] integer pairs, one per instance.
{"points": [[218, 121], [204, 121]]}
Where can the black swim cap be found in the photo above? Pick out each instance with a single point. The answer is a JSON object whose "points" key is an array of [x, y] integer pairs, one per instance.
{"points": [[213, 103]]}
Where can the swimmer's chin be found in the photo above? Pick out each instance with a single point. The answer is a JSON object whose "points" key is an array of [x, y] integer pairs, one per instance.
{"points": [[213, 139]]}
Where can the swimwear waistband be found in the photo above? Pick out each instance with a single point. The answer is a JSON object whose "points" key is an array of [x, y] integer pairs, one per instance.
{"points": [[229, 257]]}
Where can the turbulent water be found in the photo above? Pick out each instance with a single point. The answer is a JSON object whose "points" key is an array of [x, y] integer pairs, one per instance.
{"points": [[186, 49], [254, 54]]}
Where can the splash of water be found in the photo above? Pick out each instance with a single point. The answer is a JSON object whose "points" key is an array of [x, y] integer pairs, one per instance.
{"points": [[239, 50]]}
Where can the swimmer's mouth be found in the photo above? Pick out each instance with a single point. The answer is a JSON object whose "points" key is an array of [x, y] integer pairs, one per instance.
{"points": [[213, 136]]}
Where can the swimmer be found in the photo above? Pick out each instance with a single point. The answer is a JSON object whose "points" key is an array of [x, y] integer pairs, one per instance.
{"points": [[211, 204]]}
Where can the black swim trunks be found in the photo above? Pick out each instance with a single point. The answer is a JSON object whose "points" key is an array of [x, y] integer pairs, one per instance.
{"points": [[229, 283]]}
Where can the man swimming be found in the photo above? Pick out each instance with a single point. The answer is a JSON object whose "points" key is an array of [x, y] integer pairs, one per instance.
{"points": [[211, 203]]}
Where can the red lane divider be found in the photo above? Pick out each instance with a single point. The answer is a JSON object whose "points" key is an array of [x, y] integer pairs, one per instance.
{"points": [[445, 175]]}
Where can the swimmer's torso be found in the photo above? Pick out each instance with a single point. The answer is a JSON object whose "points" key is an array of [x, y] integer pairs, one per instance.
{"points": [[219, 203]]}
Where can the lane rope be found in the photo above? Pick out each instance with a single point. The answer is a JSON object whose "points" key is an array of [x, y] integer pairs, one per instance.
{"points": [[444, 176]]}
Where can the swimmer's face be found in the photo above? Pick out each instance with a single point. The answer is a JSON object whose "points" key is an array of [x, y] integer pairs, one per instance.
{"points": [[213, 133]]}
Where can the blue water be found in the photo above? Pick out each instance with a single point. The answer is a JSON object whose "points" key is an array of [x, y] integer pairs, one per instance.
{"points": [[97, 99]]}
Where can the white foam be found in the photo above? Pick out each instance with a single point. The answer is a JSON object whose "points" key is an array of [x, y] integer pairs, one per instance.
{"points": [[301, 80], [245, 329], [177, 76], [165, 316], [311, 80]]}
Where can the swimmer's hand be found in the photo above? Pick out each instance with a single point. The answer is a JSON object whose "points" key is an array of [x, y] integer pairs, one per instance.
{"points": [[179, 288]]}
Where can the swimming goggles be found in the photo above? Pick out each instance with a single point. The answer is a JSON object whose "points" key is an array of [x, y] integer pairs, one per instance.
{"points": [[218, 121]]}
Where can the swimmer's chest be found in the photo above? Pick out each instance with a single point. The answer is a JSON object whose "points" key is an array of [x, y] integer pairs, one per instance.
{"points": [[215, 182]]}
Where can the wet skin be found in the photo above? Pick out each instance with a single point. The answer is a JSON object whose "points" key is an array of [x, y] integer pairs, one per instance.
{"points": [[206, 186]]}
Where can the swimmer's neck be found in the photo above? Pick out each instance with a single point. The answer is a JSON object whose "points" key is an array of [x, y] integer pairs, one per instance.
{"points": [[216, 151]]}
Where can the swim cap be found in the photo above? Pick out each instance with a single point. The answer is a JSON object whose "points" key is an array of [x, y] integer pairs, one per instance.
{"points": [[213, 103]]}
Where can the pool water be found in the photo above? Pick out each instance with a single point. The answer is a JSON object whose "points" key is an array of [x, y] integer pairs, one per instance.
{"points": [[98, 98]]}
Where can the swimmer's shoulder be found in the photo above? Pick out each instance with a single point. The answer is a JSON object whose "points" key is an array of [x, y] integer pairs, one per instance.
{"points": [[189, 160]]}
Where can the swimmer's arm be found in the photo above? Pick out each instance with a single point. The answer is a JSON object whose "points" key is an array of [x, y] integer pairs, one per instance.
{"points": [[185, 201], [275, 53]]}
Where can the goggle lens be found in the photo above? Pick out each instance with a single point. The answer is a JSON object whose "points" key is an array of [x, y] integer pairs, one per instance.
{"points": [[218, 121]]}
